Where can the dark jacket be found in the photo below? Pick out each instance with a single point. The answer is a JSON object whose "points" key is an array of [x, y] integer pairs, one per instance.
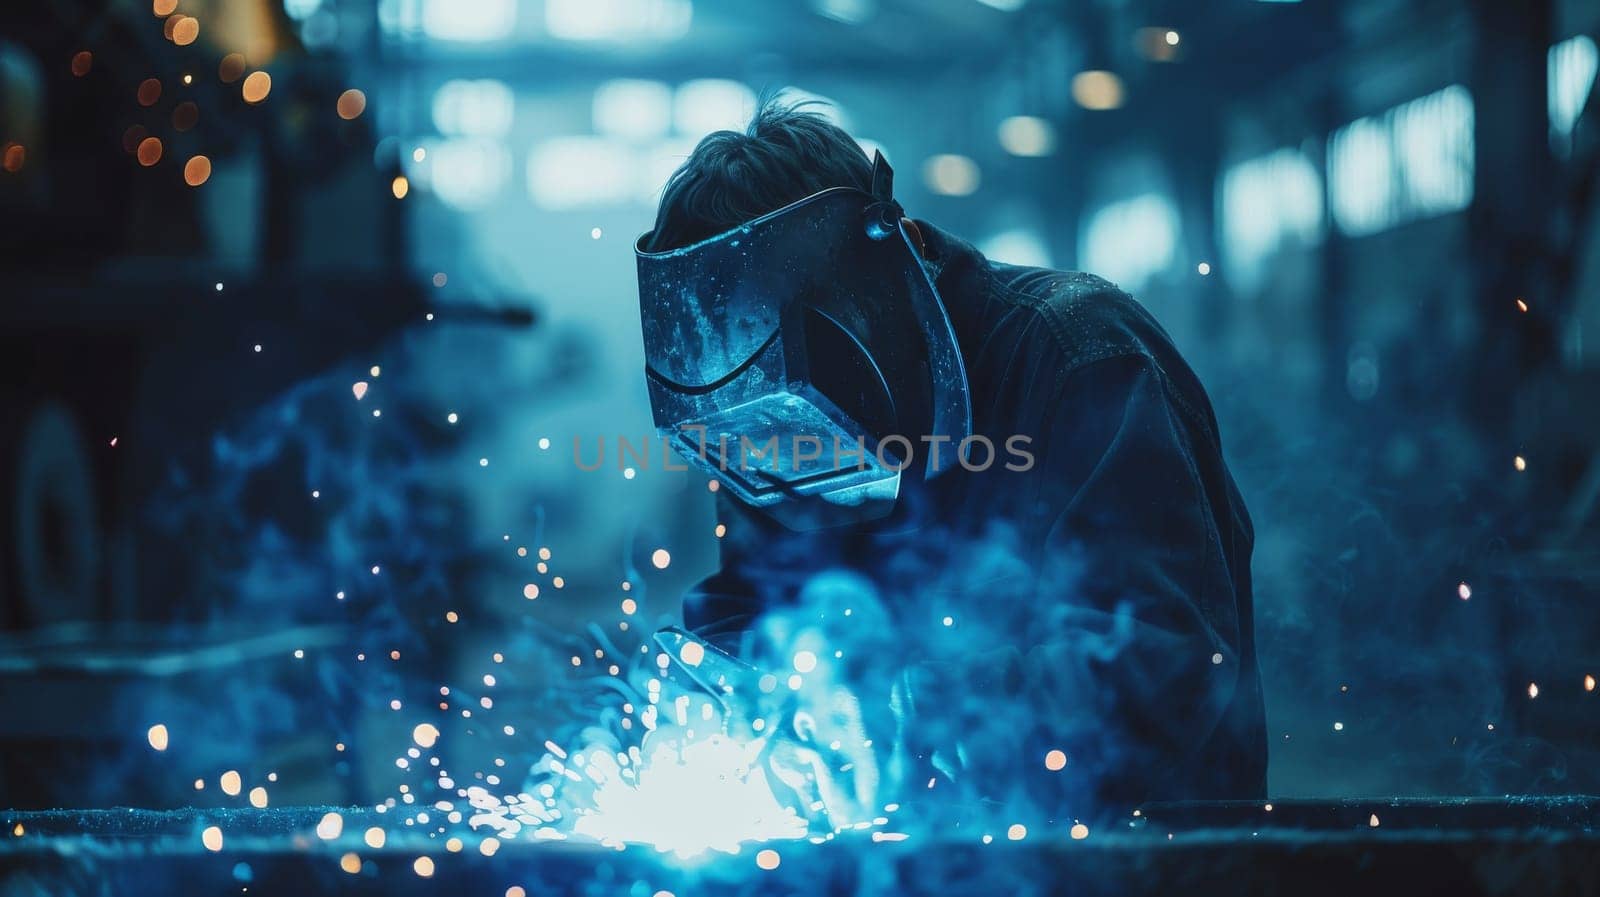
{"points": [[1098, 604]]}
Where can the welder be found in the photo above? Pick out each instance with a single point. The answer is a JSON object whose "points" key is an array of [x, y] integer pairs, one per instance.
{"points": [[991, 499]]}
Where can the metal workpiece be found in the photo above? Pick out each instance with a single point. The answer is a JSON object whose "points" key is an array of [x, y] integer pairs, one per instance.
{"points": [[1457, 846]]}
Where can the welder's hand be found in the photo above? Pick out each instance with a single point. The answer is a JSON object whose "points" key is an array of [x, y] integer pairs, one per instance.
{"points": [[827, 736]]}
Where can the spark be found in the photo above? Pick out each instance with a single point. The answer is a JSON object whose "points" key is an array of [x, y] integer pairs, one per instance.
{"points": [[1533, 689], [1204, 267], [1464, 591], [157, 736], [1338, 727], [212, 838], [350, 863], [374, 837], [330, 827], [258, 797], [360, 389], [805, 661], [1520, 463], [684, 795], [1373, 820], [1522, 304], [1017, 832], [594, 234], [1079, 832], [530, 591], [423, 866], [1588, 682], [660, 558], [425, 735], [768, 859], [692, 654], [1055, 761], [229, 783]]}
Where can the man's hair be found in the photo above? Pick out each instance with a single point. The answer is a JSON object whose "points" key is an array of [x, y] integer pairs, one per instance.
{"points": [[786, 154]]}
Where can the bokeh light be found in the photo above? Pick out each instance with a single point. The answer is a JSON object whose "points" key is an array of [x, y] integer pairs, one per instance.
{"points": [[256, 87], [196, 171], [351, 104], [149, 152]]}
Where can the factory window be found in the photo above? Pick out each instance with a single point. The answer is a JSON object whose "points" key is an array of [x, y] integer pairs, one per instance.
{"points": [[1268, 202], [464, 172], [1571, 69], [465, 21], [712, 104], [617, 20], [1130, 241], [633, 109], [1017, 246], [583, 172], [1414, 161], [481, 108]]}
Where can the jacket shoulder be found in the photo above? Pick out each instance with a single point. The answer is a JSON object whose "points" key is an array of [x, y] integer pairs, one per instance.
{"points": [[1089, 318]]}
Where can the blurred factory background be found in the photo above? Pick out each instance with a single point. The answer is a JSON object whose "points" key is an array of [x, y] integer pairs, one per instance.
{"points": [[305, 302]]}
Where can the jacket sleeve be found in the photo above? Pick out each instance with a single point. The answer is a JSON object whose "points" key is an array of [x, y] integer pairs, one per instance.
{"points": [[1128, 650]]}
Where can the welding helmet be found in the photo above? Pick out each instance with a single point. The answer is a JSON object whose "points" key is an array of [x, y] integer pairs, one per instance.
{"points": [[804, 358]]}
